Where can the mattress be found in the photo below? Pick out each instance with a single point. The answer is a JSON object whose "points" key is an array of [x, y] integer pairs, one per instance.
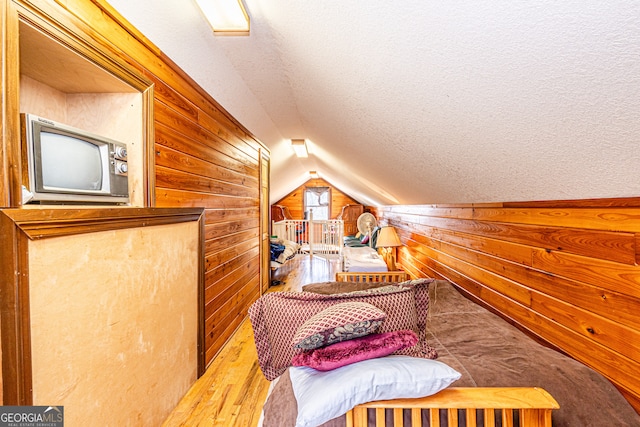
{"points": [[362, 259], [490, 352]]}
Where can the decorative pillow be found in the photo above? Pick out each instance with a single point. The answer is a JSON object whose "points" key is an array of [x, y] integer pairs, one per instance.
{"points": [[365, 239], [276, 316], [355, 350], [322, 396], [337, 323]]}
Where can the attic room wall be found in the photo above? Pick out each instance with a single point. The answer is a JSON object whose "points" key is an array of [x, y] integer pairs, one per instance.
{"points": [[202, 158], [295, 202], [565, 271]]}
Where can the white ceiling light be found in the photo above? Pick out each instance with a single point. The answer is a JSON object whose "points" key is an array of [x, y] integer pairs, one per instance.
{"points": [[314, 174], [300, 147], [227, 17]]}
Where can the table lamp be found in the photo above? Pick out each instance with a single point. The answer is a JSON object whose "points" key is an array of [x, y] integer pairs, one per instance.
{"points": [[388, 241]]}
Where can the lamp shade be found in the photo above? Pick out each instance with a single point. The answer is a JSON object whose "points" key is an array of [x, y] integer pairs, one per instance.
{"points": [[388, 238]]}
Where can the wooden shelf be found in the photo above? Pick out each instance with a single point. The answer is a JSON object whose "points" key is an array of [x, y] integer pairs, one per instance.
{"points": [[49, 62]]}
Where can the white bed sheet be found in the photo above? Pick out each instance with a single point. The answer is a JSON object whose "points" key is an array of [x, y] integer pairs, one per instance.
{"points": [[362, 260]]}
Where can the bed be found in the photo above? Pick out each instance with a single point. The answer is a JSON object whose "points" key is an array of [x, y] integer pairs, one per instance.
{"points": [[362, 259], [498, 367]]}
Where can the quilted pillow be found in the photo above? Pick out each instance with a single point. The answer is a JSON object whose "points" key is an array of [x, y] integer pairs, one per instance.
{"points": [[337, 323], [356, 350], [276, 316]]}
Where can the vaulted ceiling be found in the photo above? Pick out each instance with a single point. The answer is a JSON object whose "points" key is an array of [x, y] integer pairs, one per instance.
{"points": [[421, 101]]}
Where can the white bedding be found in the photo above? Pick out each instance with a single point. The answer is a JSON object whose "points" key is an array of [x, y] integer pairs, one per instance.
{"points": [[362, 260]]}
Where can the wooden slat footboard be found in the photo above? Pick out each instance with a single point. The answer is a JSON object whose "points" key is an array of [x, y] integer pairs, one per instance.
{"points": [[534, 406], [387, 276]]}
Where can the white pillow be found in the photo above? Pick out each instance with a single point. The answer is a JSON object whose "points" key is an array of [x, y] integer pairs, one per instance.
{"points": [[322, 396]]}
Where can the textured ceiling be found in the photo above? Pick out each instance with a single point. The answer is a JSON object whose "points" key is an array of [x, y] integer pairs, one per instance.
{"points": [[420, 101]]}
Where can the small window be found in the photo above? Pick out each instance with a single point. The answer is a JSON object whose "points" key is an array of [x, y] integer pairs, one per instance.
{"points": [[317, 200]]}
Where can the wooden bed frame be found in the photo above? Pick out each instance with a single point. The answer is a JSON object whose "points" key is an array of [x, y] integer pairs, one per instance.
{"points": [[534, 404], [387, 276]]}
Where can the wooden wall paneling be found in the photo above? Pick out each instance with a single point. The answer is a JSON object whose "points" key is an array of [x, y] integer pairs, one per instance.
{"points": [[217, 273], [167, 197], [614, 202], [222, 230], [612, 245], [176, 179], [205, 158], [594, 298], [10, 125], [202, 156], [214, 216], [294, 201], [565, 273], [613, 276], [231, 313], [233, 318], [591, 325], [237, 158], [532, 321], [185, 162], [234, 280], [265, 223], [221, 243]]}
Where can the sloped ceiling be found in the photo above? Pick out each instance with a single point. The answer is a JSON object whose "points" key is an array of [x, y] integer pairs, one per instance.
{"points": [[420, 101]]}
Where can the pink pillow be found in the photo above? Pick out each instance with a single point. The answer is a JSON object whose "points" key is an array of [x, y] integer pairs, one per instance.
{"points": [[356, 350]]}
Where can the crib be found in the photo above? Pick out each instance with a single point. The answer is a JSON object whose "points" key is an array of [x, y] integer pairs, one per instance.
{"points": [[315, 237]]}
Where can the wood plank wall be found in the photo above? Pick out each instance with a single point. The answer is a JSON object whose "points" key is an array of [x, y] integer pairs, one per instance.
{"points": [[566, 271], [202, 158], [295, 200], [199, 162]]}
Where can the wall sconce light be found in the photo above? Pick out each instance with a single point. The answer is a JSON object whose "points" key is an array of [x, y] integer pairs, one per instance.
{"points": [[388, 240], [314, 174], [300, 147], [226, 17]]}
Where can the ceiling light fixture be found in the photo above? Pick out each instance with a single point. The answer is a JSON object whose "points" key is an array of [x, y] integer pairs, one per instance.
{"points": [[300, 147], [226, 17]]}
